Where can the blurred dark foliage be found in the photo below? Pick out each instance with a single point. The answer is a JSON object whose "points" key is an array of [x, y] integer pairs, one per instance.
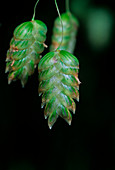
{"points": [[26, 143]]}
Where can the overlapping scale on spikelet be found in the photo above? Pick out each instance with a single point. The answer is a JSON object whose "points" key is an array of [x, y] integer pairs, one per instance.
{"points": [[70, 28], [25, 48], [59, 85]]}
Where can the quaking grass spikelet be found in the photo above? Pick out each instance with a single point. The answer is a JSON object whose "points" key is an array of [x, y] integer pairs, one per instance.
{"points": [[59, 85], [70, 29], [25, 48]]}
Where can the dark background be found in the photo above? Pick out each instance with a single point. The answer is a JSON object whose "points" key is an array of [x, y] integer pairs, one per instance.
{"points": [[26, 143]]}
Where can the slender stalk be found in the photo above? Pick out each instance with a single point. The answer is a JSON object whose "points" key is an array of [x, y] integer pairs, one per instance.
{"points": [[67, 6], [61, 24], [35, 10]]}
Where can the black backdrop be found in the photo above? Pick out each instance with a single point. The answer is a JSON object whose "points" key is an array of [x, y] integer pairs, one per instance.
{"points": [[26, 143]]}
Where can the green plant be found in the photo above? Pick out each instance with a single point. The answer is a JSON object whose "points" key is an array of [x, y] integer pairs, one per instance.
{"points": [[58, 69]]}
